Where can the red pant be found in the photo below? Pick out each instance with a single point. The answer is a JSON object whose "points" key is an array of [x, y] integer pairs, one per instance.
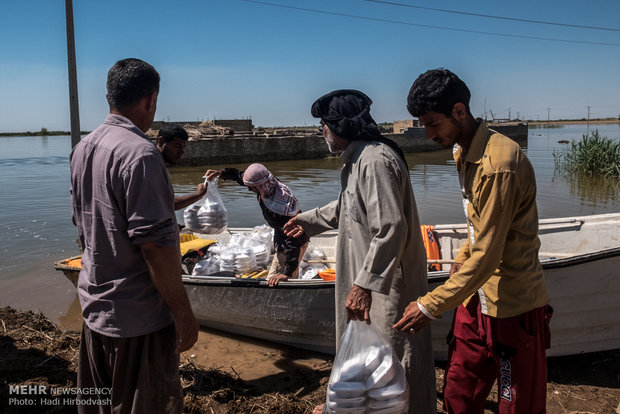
{"points": [[511, 350]]}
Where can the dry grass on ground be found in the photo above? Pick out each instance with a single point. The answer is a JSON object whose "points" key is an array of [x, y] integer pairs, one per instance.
{"points": [[35, 352]]}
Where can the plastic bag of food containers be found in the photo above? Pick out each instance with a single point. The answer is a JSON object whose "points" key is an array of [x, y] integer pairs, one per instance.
{"points": [[207, 266], [207, 215], [367, 376], [264, 235], [309, 269], [258, 249]]}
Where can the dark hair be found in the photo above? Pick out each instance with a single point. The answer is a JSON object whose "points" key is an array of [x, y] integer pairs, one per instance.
{"points": [[171, 131], [130, 80], [437, 90]]}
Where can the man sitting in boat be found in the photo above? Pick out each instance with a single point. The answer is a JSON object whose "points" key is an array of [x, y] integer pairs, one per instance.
{"points": [[171, 141], [278, 205]]}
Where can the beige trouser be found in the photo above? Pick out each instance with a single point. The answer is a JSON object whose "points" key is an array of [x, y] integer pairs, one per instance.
{"points": [[277, 265]]}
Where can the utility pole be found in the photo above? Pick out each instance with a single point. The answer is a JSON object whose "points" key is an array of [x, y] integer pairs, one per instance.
{"points": [[73, 90], [509, 114], [548, 112], [588, 128]]}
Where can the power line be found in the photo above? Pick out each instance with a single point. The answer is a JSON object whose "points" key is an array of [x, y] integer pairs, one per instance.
{"points": [[516, 19], [376, 19]]}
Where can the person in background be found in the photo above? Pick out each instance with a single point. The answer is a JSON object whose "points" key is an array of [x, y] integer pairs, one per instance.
{"points": [[381, 261], [501, 324], [278, 205], [171, 141], [137, 316]]}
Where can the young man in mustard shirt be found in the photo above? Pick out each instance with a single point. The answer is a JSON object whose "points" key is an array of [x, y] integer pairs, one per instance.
{"points": [[501, 325]]}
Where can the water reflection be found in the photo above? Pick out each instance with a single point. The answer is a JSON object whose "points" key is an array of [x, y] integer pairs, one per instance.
{"points": [[592, 191], [316, 182]]}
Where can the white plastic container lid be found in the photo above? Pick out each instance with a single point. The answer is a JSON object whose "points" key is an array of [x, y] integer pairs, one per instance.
{"points": [[352, 370], [393, 389], [347, 389], [347, 402], [374, 358], [382, 375], [402, 408], [381, 404], [335, 408]]}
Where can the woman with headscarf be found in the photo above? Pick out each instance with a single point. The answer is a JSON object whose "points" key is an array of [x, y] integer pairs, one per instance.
{"points": [[278, 205]]}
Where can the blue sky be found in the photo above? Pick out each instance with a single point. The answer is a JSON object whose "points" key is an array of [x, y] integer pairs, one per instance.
{"points": [[236, 59]]}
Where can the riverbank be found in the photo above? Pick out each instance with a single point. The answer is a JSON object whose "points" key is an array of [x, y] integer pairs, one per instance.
{"points": [[223, 375], [42, 133], [609, 121]]}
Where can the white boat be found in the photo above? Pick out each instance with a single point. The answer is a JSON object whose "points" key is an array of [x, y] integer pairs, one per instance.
{"points": [[297, 313], [580, 256]]}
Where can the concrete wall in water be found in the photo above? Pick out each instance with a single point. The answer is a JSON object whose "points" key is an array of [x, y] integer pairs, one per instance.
{"points": [[248, 149]]}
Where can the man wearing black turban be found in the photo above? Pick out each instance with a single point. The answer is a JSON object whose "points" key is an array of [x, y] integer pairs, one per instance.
{"points": [[381, 261], [346, 113]]}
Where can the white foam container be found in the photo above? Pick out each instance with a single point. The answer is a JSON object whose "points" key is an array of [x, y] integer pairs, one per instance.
{"points": [[383, 374], [347, 389]]}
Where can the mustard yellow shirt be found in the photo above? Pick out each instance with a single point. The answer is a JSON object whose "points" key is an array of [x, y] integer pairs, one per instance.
{"points": [[500, 257]]}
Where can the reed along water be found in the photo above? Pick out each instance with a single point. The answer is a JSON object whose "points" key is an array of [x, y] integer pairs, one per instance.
{"points": [[35, 206]]}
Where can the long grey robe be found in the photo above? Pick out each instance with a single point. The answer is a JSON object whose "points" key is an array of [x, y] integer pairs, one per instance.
{"points": [[380, 248]]}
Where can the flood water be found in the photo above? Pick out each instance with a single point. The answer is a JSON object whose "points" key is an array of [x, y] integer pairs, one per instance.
{"points": [[35, 211]]}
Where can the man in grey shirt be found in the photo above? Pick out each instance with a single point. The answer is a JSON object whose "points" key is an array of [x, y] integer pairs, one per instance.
{"points": [[130, 287], [381, 262]]}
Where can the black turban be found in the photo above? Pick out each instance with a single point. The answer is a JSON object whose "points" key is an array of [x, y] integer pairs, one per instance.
{"points": [[347, 114]]}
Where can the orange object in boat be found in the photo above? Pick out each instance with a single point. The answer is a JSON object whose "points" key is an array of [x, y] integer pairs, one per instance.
{"points": [[328, 274], [75, 262], [431, 246]]}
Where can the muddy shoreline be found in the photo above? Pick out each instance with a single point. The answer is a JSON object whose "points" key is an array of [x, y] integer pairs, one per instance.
{"points": [[222, 374]]}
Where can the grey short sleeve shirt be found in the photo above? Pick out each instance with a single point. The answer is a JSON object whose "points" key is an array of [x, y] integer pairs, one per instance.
{"points": [[121, 198]]}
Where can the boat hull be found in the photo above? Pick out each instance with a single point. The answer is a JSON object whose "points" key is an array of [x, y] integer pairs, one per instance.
{"points": [[584, 293], [580, 257], [299, 314]]}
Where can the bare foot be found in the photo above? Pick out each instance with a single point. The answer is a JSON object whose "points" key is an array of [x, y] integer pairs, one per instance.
{"points": [[318, 409]]}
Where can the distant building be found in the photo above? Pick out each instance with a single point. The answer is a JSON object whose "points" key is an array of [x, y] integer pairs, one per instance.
{"points": [[239, 126], [401, 126]]}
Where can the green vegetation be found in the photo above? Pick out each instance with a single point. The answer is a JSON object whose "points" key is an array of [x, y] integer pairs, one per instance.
{"points": [[592, 156]]}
